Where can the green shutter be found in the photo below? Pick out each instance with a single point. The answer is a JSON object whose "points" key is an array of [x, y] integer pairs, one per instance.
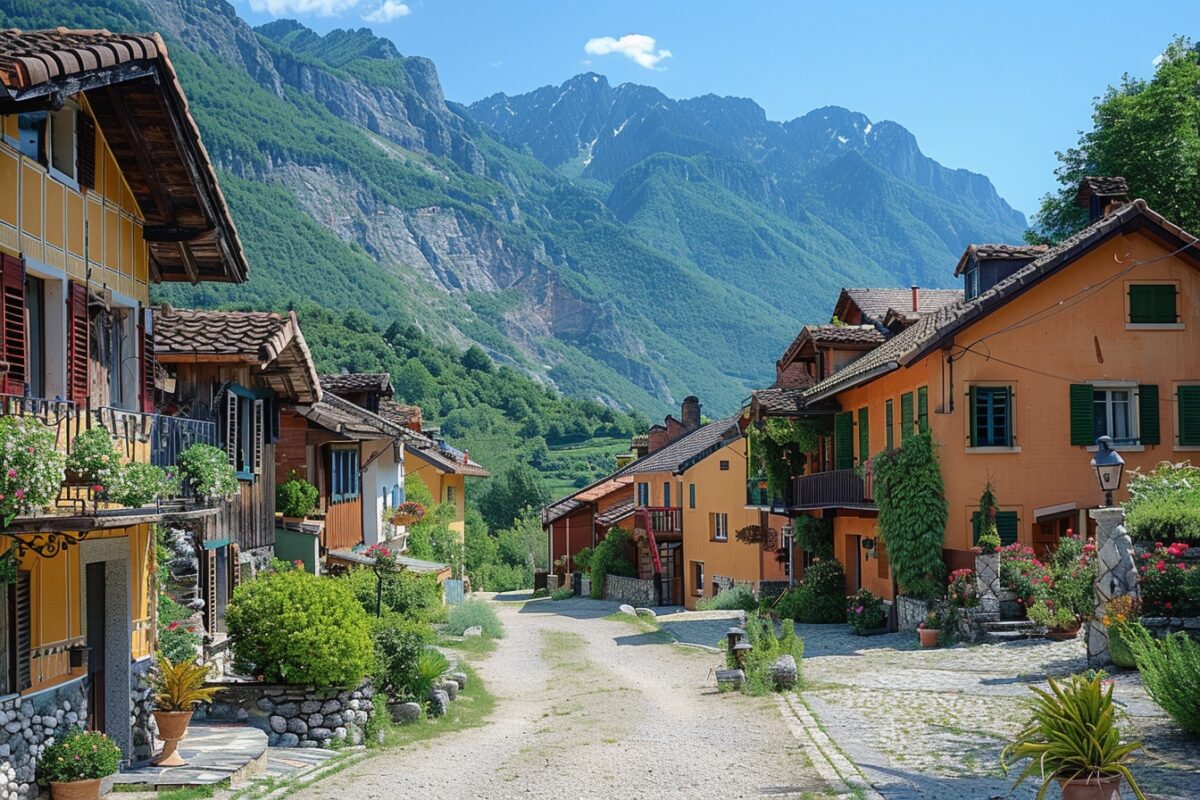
{"points": [[1153, 303], [1189, 415], [1082, 430], [1006, 526], [864, 435], [887, 422], [906, 416], [1148, 429], [974, 527], [1165, 308], [923, 408], [973, 410], [843, 438]]}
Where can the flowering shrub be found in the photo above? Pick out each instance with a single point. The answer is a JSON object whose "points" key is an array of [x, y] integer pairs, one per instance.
{"points": [[409, 511], [384, 556], [31, 469], [1023, 574], [1164, 504], [961, 590], [94, 459], [1120, 610], [140, 484], [865, 611], [208, 471], [1073, 574], [79, 756], [1169, 586]]}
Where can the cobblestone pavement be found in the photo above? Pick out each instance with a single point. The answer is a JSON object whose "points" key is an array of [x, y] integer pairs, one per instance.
{"points": [[930, 724]]}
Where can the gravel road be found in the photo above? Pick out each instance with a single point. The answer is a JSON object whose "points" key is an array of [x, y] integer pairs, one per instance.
{"points": [[593, 708]]}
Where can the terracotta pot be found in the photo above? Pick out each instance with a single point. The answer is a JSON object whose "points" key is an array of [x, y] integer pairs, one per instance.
{"points": [[1063, 634], [405, 519], [75, 790], [929, 636], [1119, 650], [1105, 788], [172, 727]]}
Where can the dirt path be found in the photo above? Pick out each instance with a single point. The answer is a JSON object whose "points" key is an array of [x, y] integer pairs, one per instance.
{"points": [[592, 708]]}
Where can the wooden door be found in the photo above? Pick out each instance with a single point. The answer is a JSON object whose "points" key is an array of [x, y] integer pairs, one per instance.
{"points": [[853, 564], [1047, 532], [96, 593], [670, 554]]}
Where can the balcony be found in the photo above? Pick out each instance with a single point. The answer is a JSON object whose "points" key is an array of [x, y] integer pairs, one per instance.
{"points": [[839, 488], [759, 496], [658, 520]]}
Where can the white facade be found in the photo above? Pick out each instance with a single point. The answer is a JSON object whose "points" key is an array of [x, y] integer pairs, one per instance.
{"points": [[383, 487]]}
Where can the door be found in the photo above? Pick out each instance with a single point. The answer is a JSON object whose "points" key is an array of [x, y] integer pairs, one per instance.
{"points": [[96, 593], [1047, 532], [853, 564], [670, 554]]}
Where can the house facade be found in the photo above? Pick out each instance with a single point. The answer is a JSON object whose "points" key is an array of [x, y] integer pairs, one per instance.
{"points": [[106, 190]]}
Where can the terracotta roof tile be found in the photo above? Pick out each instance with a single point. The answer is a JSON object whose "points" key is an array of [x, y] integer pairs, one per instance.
{"points": [[687, 450], [31, 58], [874, 303], [352, 382], [845, 334], [998, 252], [1101, 186]]}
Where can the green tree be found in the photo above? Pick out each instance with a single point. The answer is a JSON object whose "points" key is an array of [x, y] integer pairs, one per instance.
{"points": [[432, 537], [1146, 131], [519, 488]]}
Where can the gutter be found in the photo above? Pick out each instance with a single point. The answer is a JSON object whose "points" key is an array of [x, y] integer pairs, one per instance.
{"points": [[882, 369]]}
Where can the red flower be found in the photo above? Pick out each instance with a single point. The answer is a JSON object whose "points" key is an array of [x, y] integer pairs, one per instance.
{"points": [[1161, 566], [173, 626]]}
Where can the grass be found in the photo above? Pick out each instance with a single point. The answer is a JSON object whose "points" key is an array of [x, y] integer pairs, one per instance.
{"points": [[192, 792], [475, 613], [476, 646]]}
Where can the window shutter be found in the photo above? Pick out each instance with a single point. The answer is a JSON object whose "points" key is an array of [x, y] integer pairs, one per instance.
{"points": [[1189, 415], [146, 358], [13, 334], [259, 431], [1148, 427], [1139, 304], [923, 408], [843, 436], [235, 568], [22, 630], [973, 406], [691, 495], [906, 416], [85, 150], [974, 527], [888, 424], [210, 590], [232, 402], [864, 435], [1165, 308], [1006, 526], [1081, 415], [77, 343]]}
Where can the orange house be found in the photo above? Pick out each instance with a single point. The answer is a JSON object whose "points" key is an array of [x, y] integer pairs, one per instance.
{"points": [[1050, 349]]}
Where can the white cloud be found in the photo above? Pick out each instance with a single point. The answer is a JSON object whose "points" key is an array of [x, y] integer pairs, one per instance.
{"points": [[322, 8], [388, 11], [637, 47]]}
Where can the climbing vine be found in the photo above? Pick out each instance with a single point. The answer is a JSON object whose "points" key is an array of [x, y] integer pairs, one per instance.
{"points": [[813, 535], [778, 449], [911, 499]]}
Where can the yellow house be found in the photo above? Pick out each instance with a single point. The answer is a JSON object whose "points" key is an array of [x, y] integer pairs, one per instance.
{"points": [[105, 188], [444, 470]]}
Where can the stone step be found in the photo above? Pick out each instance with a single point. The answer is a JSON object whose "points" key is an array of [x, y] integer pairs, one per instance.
{"points": [[1010, 625]]}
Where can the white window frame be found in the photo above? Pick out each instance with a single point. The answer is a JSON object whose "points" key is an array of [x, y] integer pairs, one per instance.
{"points": [[720, 526], [1134, 412], [68, 112]]}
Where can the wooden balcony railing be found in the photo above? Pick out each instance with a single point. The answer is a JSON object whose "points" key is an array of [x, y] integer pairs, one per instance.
{"points": [[834, 489], [659, 520]]}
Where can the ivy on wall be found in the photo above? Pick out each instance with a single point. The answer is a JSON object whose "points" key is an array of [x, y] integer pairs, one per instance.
{"points": [[911, 499], [778, 449], [813, 535]]}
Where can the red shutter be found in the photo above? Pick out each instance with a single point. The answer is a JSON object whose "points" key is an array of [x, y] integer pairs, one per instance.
{"points": [[77, 343], [13, 334], [146, 358], [85, 150]]}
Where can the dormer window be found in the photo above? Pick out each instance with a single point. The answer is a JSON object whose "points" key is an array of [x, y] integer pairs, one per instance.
{"points": [[971, 282]]}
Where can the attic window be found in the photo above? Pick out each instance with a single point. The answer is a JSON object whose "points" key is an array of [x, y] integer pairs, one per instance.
{"points": [[971, 282], [724, 466], [62, 141]]}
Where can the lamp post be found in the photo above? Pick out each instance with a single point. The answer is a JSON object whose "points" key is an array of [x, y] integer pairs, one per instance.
{"points": [[1108, 465]]}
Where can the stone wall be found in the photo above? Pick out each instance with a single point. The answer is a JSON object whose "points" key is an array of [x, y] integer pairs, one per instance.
{"points": [[910, 612], [28, 722], [770, 590], [1162, 626], [636, 592], [296, 716], [141, 718]]}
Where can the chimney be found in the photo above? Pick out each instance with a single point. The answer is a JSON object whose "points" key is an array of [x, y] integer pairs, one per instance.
{"points": [[1101, 195], [914, 298], [690, 412], [656, 438]]}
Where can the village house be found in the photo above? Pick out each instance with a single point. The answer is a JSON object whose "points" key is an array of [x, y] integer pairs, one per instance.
{"points": [[1049, 349], [106, 189]]}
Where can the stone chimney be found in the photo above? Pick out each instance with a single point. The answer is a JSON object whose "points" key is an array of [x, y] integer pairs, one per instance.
{"points": [[657, 438], [914, 298], [1101, 195], [690, 412]]}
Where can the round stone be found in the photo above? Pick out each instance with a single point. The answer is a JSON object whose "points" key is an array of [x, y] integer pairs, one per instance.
{"points": [[316, 720], [297, 726], [288, 740], [310, 706], [278, 724]]}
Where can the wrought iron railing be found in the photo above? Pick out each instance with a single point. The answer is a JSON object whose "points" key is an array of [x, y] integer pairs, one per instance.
{"points": [[170, 436], [839, 487], [63, 416]]}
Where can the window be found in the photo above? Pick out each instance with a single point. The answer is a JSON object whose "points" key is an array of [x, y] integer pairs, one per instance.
{"points": [[906, 416], [643, 494], [888, 413], [343, 473], [62, 141], [971, 283], [864, 436], [698, 578], [724, 466], [450, 496], [922, 408], [991, 416], [718, 526], [244, 430], [666, 495], [1127, 413], [31, 132], [691, 495], [1007, 525], [1153, 304], [35, 313], [1112, 415], [843, 437], [1189, 415]]}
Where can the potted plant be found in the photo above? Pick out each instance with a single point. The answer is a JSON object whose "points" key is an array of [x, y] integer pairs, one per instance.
{"points": [[76, 763], [139, 484], [31, 469], [930, 631], [409, 512], [866, 613], [1059, 620], [208, 472], [1072, 739], [94, 462], [177, 687], [295, 498], [1119, 615]]}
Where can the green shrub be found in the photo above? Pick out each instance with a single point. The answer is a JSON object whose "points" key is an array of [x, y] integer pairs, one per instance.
{"points": [[293, 627], [176, 638], [406, 593], [1164, 505], [1073, 572], [139, 484], [472, 613], [79, 756], [814, 535], [399, 643], [766, 647], [865, 611], [431, 666], [564, 593], [739, 598], [912, 515], [1170, 672], [295, 497], [609, 557], [208, 471], [820, 597]]}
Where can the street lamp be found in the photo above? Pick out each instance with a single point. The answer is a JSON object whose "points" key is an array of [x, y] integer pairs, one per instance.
{"points": [[1108, 465]]}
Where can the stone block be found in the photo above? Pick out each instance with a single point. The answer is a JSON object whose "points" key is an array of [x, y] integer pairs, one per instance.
{"points": [[264, 704], [625, 608], [784, 672], [451, 689], [439, 703], [330, 706], [473, 632], [320, 734], [278, 724], [403, 713], [316, 720], [310, 706], [288, 740], [334, 720], [297, 726], [289, 709], [730, 678], [460, 678]]}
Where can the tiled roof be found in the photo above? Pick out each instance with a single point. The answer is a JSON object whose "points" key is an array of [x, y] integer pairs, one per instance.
{"points": [[341, 416], [777, 401], [687, 450], [273, 341], [178, 193], [399, 413], [874, 303], [448, 459], [616, 512], [997, 252], [933, 328], [351, 382], [1102, 186], [845, 334]]}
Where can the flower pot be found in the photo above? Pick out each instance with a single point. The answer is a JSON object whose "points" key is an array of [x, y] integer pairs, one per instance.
{"points": [[405, 519], [1118, 649], [1107, 787], [75, 790], [929, 636], [172, 727], [1063, 634]]}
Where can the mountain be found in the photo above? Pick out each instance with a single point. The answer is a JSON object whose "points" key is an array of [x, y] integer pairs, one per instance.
{"points": [[614, 243]]}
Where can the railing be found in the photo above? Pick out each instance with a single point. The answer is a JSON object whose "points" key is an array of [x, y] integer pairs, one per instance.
{"points": [[64, 416], [660, 521], [833, 489], [170, 436]]}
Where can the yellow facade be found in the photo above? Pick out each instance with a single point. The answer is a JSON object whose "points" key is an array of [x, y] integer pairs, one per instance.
{"points": [[445, 487]]}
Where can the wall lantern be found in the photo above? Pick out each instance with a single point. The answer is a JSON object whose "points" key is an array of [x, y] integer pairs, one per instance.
{"points": [[1108, 465]]}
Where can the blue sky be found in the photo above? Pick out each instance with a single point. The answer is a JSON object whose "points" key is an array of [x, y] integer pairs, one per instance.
{"points": [[995, 88]]}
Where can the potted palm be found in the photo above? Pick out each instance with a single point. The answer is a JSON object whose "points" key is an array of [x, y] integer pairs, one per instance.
{"points": [[1072, 739], [178, 687], [76, 763]]}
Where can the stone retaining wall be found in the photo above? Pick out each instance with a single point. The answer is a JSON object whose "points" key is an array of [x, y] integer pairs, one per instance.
{"points": [[637, 592], [141, 718], [1162, 626], [910, 612], [28, 723], [296, 716]]}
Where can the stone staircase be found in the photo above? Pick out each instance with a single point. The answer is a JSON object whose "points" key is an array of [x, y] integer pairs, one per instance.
{"points": [[1011, 630]]}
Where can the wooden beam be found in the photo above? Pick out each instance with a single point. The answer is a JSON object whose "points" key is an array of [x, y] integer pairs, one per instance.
{"points": [[200, 357], [141, 152], [175, 233], [189, 263]]}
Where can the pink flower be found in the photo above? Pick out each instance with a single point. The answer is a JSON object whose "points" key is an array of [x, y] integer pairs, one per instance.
{"points": [[173, 626], [12, 473], [20, 493], [858, 610], [1161, 566], [97, 488]]}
